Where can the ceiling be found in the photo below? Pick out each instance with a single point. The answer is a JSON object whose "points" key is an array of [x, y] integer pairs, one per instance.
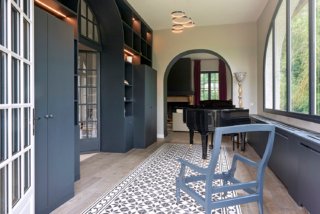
{"points": [[203, 12]]}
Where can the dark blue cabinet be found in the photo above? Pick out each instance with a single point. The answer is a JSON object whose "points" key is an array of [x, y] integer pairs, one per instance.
{"points": [[145, 106], [309, 176], [54, 112], [284, 160], [295, 161]]}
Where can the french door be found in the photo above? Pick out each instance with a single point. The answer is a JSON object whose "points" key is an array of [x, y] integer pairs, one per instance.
{"points": [[88, 100], [16, 107]]}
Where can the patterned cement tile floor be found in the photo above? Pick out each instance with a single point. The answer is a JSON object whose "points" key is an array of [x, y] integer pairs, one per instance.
{"points": [[101, 172]]}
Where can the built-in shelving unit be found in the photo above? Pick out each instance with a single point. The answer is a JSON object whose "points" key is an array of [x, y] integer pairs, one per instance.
{"points": [[137, 38], [128, 90], [137, 35], [129, 41]]}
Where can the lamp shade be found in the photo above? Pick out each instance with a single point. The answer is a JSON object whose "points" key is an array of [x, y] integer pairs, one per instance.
{"points": [[240, 76]]}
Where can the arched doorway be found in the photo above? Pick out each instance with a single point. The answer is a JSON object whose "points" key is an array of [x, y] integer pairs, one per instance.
{"points": [[197, 53]]}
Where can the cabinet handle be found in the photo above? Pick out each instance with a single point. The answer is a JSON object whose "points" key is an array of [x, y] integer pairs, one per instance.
{"points": [[46, 116], [50, 115], [309, 148]]}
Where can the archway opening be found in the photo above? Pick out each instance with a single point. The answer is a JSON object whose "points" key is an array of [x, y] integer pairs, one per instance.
{"points": [[179, 87]]}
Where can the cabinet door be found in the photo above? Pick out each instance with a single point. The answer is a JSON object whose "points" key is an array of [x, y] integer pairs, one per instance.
{"points": [[54, 140], [60, 111], [309, 177], [41, 106], [278, 158], [150, 106], [284, 161]]}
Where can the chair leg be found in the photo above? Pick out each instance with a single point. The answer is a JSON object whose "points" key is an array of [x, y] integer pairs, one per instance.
{"points": [[260, 205], [178, 194]]}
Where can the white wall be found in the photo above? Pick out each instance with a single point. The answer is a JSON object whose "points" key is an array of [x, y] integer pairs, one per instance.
{"points": [[237, 44], [263, 27], [210, 65]]}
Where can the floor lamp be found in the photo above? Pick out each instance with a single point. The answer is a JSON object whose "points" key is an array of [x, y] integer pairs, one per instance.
{"points": [[240, 76]]}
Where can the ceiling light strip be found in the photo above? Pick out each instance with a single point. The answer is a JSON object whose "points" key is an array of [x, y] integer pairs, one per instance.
{"points": [[128, 52], [50, 9]]}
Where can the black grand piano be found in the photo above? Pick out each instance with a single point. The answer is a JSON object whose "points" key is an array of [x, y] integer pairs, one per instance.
{"points": [[211, 114]]}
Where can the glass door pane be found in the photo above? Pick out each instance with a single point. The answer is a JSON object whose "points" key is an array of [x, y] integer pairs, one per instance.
{"points": [[16, 181], [3, 190], [3, 135], [88, 100]]}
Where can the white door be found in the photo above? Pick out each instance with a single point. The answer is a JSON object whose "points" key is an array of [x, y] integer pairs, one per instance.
{"points": [[16, 107]]}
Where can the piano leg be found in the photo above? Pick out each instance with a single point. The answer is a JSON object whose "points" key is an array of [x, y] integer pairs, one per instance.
{"points": [[204, 141], [211, 145], [243, 141], [191, 133]]}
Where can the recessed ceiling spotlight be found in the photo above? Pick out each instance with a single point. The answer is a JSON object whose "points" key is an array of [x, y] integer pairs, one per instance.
{"points": [[176, 31], [178, 14], [177, 26]]}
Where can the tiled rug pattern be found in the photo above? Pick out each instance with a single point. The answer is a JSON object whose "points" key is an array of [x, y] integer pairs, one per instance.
{"points": [[150, 188]]}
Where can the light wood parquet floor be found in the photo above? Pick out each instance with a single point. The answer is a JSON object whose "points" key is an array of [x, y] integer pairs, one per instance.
{"points": [[102, 171]]}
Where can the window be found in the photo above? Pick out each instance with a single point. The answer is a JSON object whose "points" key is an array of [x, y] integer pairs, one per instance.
{"points": [[88, 24], [209, 88], [292, 63]]}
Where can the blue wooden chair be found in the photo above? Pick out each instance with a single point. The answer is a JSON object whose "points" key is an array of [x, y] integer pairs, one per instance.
{"points": [[254, 189]]}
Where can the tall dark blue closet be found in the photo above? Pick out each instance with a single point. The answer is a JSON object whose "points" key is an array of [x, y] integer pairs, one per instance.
{"points": [[54, 112]]}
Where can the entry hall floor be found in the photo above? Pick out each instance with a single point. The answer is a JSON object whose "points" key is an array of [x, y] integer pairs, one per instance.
{"points": [[100, 172]]}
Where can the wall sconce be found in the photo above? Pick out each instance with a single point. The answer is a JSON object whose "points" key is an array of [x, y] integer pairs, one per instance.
{"points": [[240, 76]]}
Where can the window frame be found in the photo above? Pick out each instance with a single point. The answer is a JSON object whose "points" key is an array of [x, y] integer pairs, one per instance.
{"points": [[84, 38], [311, 115]]}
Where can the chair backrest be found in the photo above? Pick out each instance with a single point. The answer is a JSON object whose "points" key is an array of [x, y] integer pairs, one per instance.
{"points": [[220, 131]]}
